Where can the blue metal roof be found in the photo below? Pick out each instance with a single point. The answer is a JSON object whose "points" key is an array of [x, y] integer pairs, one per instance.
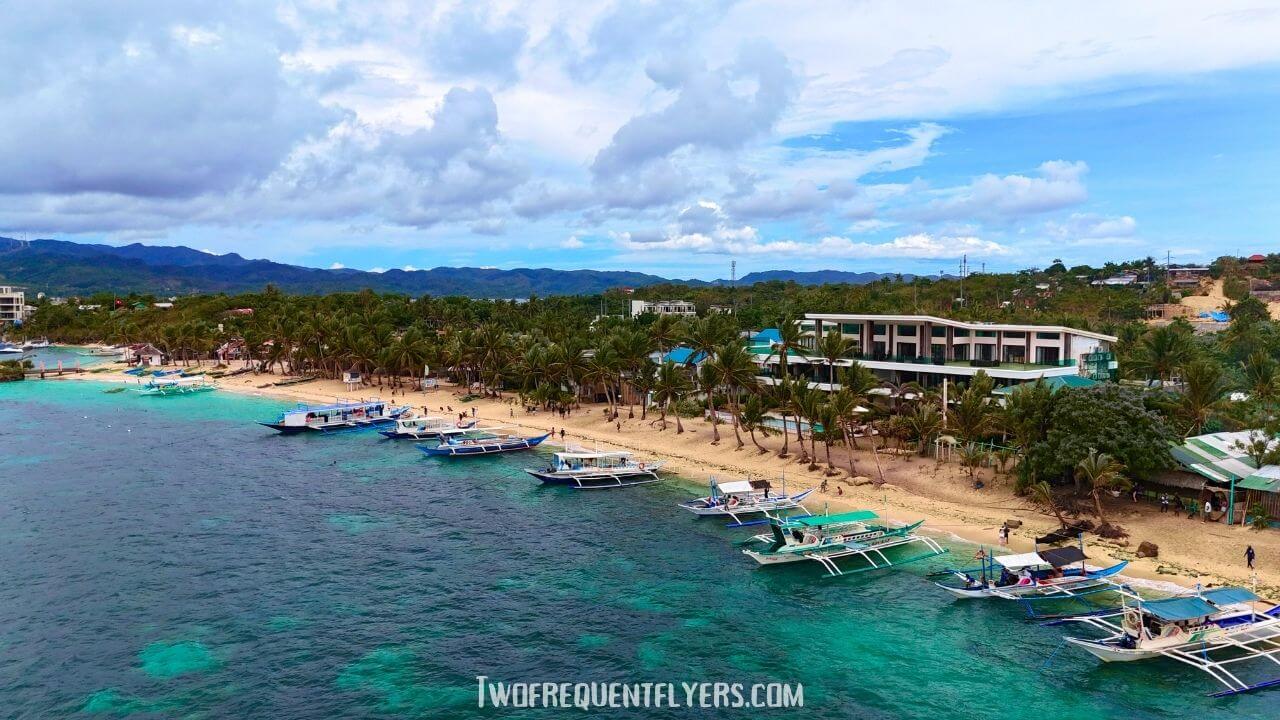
{"points": [[767, 335], [681, 355]]}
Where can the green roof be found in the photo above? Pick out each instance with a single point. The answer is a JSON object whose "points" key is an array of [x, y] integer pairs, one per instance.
{"points": [[821, 520], [1259, 482], [1216, 456], [1055, 383]]}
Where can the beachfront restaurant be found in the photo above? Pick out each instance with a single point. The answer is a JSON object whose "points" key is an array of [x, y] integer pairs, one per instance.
{"points": [[927, 349], [1220, 458]]}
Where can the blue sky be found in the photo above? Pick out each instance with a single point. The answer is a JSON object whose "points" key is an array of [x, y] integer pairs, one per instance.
{"points": [[669, 137]]}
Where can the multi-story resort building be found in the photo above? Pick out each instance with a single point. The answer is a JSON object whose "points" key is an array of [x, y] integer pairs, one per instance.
{"points": [[13, 303], [662, 307], [926, 349]]}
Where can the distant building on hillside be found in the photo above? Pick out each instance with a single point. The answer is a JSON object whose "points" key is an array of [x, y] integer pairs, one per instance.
{"points": [[720, 309], [1187, 276], [1121, 279], [662, 307]]}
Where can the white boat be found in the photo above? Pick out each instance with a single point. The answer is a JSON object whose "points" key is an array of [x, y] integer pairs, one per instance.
{"points": [[1217, 631], [338, 417], [36, 344], [737, 499], [7, 349], [106, 352], [426, 427], [176, 385], [1043, 575], [585, 470], [828, 538]]}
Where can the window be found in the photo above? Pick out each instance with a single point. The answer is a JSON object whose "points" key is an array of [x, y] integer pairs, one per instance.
{"points": [[907, 330], [879, 329], [1014, 334], [1047, 336], [849, 328], [960, 332], [939, 331], [984, 333]]}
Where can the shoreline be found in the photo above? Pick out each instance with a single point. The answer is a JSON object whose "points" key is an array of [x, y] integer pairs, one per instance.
{"points": [[916, 487]]}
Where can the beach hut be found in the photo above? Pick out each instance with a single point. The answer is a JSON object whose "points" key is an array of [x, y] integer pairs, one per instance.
{"points": [[1221, 458], [352, 379]]}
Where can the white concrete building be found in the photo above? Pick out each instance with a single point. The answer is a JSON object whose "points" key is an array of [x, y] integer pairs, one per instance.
{"points": [[662, 307], [925, 349], [13, 304]]}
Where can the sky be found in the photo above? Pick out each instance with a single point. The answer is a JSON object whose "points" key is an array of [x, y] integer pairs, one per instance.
{"points": [[669, 137]]}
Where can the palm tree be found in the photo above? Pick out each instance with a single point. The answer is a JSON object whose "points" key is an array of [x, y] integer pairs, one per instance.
{"points": [[844, 409], [972, 455], [780, 396], [834, 346], [790, 337], [924, 422], [670, 387], [1161, 353], [709, 380], [1261, 378], [1205, 389], [753, 417], [1042, 494], [1103, 473], [736, 372], [642, 381]]}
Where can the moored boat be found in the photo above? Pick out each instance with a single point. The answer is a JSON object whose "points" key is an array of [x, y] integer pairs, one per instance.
{"points": [[586, 469], [1042, 575], [737, 499], [484, 444], [825, 539], [176, 385], [426, 427], [1218, 631], [338, 417], [8, 349]]}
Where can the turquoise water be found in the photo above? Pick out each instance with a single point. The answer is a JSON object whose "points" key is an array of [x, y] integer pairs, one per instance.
{"points": [[165, 557]]}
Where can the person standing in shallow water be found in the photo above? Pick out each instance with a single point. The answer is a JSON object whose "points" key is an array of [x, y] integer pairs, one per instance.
{"points": [[1249, 555]]}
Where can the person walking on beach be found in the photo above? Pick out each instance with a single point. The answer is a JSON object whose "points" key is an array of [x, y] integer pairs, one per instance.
{"points": [[1249, 555], [1208, 508], [1004, 534], [562, 433]]}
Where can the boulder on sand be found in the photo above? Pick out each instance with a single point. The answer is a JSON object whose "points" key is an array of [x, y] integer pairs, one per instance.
{"points": [[1148, 549], [1014, 523], [861, 480]]}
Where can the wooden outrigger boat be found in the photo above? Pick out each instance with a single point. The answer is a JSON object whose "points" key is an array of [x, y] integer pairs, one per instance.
{"points": [[339, 417], [593, 470], [426, 427], [176, 385], [1216, 631], [827, 538], [486, 444], [1043, 575], [738, 499]]}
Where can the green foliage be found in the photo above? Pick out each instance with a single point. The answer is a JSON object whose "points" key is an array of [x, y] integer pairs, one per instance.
{"points": [[1109, 418], [1260, 519], [11, 371]]}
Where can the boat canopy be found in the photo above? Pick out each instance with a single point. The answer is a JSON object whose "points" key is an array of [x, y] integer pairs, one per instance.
{"points": [[1179, 608], [1228, 595], [1022, 560], [584, 455], [814, 521], [742, 486], [1059, 557]]}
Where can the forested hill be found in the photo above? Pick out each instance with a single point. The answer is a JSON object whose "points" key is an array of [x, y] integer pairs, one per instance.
{"points": [[66, 268]]}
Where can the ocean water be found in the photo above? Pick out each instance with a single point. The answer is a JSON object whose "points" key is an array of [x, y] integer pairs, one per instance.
{"points": [[165, 557]]}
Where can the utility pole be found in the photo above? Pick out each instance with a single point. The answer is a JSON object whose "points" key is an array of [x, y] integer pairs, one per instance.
{"points": [[733, 286]]}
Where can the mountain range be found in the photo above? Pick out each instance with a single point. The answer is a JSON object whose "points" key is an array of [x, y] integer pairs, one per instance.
{"points": [[60, 267]]}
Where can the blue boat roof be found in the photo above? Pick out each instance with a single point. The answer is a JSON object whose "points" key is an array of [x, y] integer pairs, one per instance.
{"points": [[681, 355], [1228, 595], [1179, 608]]}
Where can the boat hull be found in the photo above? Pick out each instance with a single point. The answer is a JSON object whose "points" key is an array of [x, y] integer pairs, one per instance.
{"points": [[597, 480], [445, 450]]}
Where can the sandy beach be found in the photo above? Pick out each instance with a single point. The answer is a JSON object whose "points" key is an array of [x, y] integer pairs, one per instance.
{"points": [[915, 487]]}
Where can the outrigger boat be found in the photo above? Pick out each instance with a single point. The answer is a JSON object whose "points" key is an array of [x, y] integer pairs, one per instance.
{"points": [[586, 470], [485, 444], [166, 386], [338, 417], [1031, 576], [1214, 631], [737, 499], [426, 427], [827, 538]]}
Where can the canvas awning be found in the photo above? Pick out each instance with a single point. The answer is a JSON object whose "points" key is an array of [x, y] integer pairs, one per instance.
{"points": [[821, 520], [1014, 562], [1228, 595], [1179, 608], [741, 486], [1059, 557]]}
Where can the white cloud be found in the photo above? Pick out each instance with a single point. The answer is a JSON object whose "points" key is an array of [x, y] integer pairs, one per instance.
{"points": [[1089, 226], [337, 266], [1057, 184], [572, 243]]}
